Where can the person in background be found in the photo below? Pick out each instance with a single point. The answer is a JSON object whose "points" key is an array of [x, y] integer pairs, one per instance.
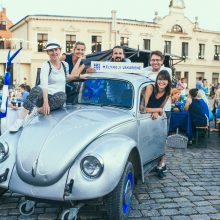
{"points": [[216, 104], [24, 93], [197, 115], [176, 104], [205, 87], [212, 91], [155, 99], [175, 95], [181, 85], [156, 65], [217, 97], [205, 105], [28, 88], [199, 83], [50, 94]]}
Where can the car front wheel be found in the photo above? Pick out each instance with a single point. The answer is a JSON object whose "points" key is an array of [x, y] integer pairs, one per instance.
{"points": [[119, 200]]}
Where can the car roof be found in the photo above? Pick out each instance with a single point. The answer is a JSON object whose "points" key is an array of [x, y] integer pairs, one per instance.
{"points": [[134, 78]]}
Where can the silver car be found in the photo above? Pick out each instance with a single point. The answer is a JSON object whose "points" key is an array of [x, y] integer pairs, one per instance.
{"points": [[97, 148]]}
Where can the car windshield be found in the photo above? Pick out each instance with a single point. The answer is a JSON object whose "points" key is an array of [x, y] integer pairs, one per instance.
{"points": [[106, 92]]}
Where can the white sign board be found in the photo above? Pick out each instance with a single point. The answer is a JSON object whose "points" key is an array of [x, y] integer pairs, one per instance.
{"points": [[117, 67]]}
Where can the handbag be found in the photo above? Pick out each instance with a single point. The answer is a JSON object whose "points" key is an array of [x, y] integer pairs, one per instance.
{"points": [[177, 140]]}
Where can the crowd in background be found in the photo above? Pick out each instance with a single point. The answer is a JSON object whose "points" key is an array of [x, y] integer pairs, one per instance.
{"points": [[202, 100], [17, 95]]}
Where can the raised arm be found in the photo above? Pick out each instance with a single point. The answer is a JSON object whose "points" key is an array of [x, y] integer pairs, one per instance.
{"points": [[77, 70]]}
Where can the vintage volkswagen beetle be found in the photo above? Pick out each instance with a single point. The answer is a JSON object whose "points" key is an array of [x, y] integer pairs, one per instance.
{"points": [[94, 149]]}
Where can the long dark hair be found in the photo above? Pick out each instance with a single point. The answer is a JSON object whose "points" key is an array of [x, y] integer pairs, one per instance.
{"points": [[164, 75]]}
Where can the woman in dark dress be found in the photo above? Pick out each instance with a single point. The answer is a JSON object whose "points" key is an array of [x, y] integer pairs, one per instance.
{"points": [[155, 99], [157, 95], [197, 115]]}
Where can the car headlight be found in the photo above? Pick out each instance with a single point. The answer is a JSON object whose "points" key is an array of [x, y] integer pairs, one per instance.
{"points": [[4, 149], [92, 166]]}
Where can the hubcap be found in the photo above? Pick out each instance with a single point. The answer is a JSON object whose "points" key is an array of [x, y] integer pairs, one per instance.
{"points": [[127, 193]]}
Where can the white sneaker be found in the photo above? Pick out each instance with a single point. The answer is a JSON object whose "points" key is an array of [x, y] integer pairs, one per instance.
{"points": [[16, 126], [30, 116]]}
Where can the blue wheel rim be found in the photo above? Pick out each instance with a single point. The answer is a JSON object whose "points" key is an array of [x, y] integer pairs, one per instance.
{"points": [[127, 192]]}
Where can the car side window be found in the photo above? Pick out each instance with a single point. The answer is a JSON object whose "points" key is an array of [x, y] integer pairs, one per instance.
{"points": [[142, 107]]}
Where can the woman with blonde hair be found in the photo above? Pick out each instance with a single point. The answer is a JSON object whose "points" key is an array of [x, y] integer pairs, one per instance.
{"points": [[217, 97], [203, 96], [205, 105], [175, 95], [75, 60], [216, 105], [76, 68]]}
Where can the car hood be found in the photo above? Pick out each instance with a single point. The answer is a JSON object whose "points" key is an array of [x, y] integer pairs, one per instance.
{"points": [[49, 144]]}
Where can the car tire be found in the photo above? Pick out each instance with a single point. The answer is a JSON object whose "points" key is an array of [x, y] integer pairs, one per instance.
{"points": [[2, 191], [119, 200]]}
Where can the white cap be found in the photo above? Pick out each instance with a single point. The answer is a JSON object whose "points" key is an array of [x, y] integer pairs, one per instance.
{"points": [[52, 45]]}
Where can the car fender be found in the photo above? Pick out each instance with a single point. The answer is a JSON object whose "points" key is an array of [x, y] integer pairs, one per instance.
{"points": [[114, 150], [7, 165]]}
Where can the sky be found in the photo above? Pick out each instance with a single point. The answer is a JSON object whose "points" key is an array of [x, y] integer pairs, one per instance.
{"points": [[142, 10]]}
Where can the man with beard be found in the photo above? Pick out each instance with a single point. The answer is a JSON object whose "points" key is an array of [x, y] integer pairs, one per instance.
{"points": [[118, 55], [114, 91]]}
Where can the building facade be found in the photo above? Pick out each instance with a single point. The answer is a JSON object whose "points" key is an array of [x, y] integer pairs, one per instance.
{"points": [[174, 33]]}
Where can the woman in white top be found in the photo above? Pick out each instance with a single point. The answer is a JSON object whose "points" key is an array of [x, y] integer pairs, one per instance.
{"points": [[50, 94]]}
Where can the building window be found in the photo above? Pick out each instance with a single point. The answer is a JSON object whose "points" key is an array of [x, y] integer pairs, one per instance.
{"points": [[199, 74], [2, 25], [41, 41], [215, 78], [201, 54], [185, 49], [186, 77], [178, 75], [177, 29], [124, 41], [1, 43], [96, 43], [70, 41], [167, 47], [217, 52], [146, 44]]}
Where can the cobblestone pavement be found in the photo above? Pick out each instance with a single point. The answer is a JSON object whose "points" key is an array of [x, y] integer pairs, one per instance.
{"points": [[191, 190]]}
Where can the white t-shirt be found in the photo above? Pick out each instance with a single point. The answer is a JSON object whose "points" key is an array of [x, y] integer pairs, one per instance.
{"points": [[56, 81], [153, 75]]}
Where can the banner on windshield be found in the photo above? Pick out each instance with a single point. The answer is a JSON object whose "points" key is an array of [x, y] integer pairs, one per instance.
{"points": [[120, 67]]}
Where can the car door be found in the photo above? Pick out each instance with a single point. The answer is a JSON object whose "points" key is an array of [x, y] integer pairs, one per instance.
{"points": [[151, 133]]}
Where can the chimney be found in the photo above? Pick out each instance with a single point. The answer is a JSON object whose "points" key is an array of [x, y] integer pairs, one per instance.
{"points": [[114, 20]]}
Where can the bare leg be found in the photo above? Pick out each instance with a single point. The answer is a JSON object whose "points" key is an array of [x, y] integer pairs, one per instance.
{"points": [[162, 161]]}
